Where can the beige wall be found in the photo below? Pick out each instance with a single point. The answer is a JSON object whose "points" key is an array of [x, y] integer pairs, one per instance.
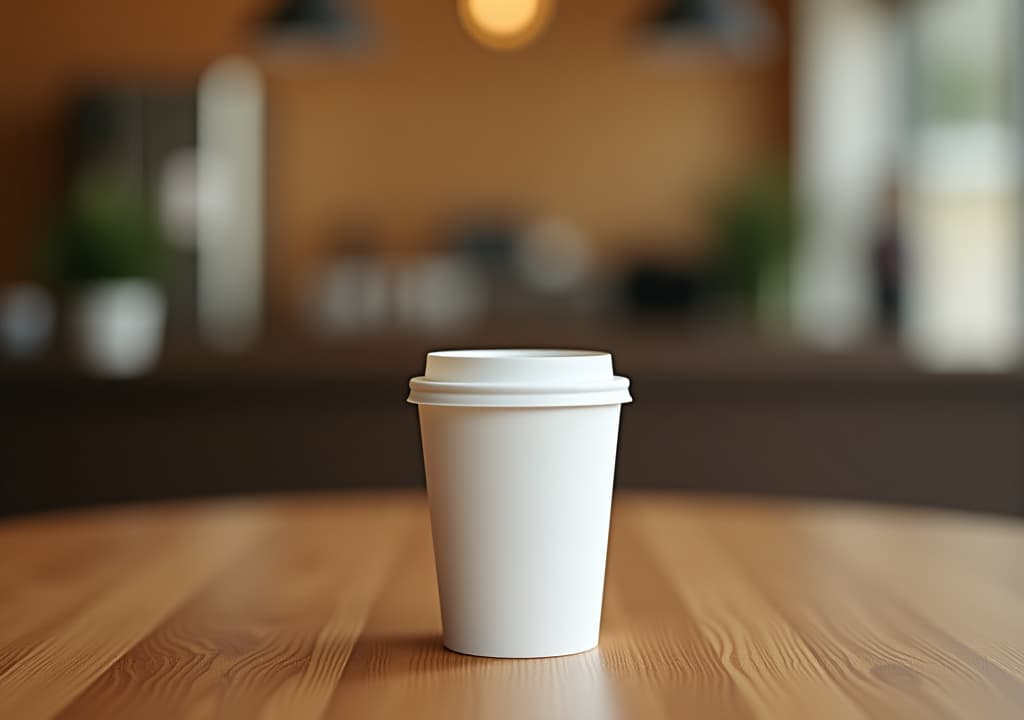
{"points": [[625, 137]]}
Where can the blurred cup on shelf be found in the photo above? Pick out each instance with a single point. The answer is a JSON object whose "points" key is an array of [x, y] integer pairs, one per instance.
{"points": [[27, 320], [555, 256], [353, 295], [439, 292], [519, 451]]}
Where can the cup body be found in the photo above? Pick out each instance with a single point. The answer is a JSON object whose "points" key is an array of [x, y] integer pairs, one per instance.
{"points": [[520, 499]]}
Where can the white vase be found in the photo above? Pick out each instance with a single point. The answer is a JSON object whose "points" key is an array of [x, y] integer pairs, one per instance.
{"points": [[117, 326]]}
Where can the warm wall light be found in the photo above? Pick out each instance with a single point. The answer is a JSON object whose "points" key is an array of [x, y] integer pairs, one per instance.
{"points": [[505, 24]]}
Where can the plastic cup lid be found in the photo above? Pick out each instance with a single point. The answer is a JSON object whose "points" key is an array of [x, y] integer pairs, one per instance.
{"points": [[519, 378]]}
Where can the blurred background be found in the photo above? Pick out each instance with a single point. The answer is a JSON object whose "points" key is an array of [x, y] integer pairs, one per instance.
{"points": [[232, 229]]}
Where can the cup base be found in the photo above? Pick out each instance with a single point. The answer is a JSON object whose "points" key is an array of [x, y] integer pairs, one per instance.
{"points": [[518, 656]]}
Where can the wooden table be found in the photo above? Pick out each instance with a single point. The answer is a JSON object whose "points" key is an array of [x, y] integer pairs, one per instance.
{"points": [[326, 606]]}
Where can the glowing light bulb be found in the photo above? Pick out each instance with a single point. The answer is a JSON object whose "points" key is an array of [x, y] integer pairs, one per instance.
{"points": [[505, 24]]}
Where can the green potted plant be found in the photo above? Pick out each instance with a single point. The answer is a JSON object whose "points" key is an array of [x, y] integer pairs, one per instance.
{"points": [[755, 229], [106, 252]]}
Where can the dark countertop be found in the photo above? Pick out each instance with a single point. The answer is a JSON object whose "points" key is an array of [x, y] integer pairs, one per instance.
{"points": [[713, 412]]}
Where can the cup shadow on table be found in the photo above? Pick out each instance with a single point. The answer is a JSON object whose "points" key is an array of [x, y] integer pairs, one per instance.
{"points": [[570, 686]]}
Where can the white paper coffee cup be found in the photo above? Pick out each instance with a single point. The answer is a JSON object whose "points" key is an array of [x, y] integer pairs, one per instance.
{"points": [[519, 451]]}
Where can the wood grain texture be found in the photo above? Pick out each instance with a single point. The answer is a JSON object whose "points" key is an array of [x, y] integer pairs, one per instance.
{"points": [[326, 607]]}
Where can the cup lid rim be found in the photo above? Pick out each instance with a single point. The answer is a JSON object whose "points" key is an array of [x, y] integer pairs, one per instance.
{"points": [[517, 354], [519, 377]]}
